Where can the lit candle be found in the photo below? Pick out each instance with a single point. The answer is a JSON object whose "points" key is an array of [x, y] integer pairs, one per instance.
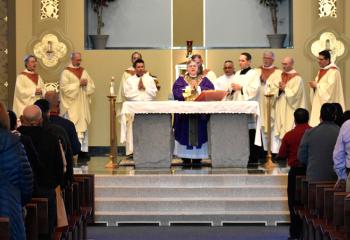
{"points": [[111, 86]]}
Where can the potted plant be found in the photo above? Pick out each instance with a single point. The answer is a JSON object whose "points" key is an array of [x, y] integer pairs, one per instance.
{"points": [[276, 40], [99, 41]]}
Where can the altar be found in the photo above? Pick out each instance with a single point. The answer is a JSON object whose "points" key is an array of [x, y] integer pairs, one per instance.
{"points": [[151, 132]]}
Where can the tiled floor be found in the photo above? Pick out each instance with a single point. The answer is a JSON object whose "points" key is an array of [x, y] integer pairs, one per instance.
{"points": [[96, 165]]}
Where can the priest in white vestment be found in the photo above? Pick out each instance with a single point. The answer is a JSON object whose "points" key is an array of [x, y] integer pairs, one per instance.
{"points": [[76, 89], [269, 77], [291, 95], [223, 82], [139, 87], [29, 86], [201, 71], [326, 88]]}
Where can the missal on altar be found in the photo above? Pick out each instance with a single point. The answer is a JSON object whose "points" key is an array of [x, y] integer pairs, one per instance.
{"points": [[211, 95]]}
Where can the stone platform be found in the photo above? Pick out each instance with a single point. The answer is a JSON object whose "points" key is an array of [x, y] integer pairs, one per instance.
{"points": [[174, 195]]}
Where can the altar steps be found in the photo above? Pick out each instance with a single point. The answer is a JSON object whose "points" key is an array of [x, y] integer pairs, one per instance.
{"points": [[216, 199]]}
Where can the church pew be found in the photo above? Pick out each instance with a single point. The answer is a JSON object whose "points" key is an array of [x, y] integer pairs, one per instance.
{"points": [[89, 182], [326, 225], [347, 217], [338, 217], [31, 221], [298, 186], [86, 203], [320, 199], [43, 215], [4, 228], [310, 218]]}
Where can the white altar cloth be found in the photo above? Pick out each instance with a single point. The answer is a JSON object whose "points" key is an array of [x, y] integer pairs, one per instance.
{"points": [[130, 108]]}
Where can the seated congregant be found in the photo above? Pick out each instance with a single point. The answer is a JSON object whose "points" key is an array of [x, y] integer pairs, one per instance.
{"points": [[190, 130]]}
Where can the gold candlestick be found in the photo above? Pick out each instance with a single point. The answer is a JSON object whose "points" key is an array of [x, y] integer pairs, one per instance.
{"points": [[269, 164], [113, 139]]}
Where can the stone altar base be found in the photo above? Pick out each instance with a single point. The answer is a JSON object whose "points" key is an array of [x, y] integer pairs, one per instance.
{"points": [[228, 138], [153, 140]]}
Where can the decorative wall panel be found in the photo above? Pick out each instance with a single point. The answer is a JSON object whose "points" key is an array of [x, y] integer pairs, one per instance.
{"points": [[49, 9], [3, 51], [327, 8]]}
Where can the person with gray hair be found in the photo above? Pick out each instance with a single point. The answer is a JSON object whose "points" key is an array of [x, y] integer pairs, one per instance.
{"points": [[29, 86], [269, 75], [76, 89]]}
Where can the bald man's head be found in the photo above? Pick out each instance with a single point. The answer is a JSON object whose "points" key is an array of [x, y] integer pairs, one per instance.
{"points": [[32, 116], [53, 98], [288, 64]]}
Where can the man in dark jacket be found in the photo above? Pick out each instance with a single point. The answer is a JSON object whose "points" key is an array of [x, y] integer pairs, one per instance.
{"points": [[50, 173], [316, 147], [16, 179], [62, 135]]}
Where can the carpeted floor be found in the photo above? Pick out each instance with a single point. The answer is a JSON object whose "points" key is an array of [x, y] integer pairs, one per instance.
{"points": [[188, 233]]}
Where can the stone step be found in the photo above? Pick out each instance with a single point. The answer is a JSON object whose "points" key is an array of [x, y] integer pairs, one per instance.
{"points": [[166, 218], [191, 204], [182, 192], [194, 180]]}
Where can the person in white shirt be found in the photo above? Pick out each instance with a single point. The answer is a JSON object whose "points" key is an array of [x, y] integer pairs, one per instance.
{"points": [[29, 86], [223, 82], [245, 87], [141, 86]]}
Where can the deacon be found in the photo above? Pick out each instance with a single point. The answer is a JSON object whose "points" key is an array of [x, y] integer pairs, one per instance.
{"points": [[29, 86], [326, 88], [269, 75], [245, 87], [222, 83], [291, 96], [76, 89]]}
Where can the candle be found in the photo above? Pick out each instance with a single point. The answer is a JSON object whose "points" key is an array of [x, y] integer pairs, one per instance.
{"points": [[111, 86]]}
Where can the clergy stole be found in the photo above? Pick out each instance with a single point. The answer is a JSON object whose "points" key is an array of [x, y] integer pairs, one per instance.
{"points": [[193, 129], [322, 72], [32, 76], [285, 79], [266, 73], [78, 72]]}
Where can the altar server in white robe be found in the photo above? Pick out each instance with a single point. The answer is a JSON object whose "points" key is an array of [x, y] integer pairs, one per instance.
{"points": [[130, 71], [326, 88], [245, 87], [139, 87], [269, 76], [245, 84], [223, 82], [201, 71], [29, 86], [76, 89], [291, 95]]}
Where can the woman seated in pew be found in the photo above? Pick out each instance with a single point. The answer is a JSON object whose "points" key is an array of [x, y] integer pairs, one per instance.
{"points": [[190, 130]]}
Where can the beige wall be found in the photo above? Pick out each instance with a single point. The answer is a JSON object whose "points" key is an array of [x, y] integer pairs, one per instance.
{"points": [[102, 64]]}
